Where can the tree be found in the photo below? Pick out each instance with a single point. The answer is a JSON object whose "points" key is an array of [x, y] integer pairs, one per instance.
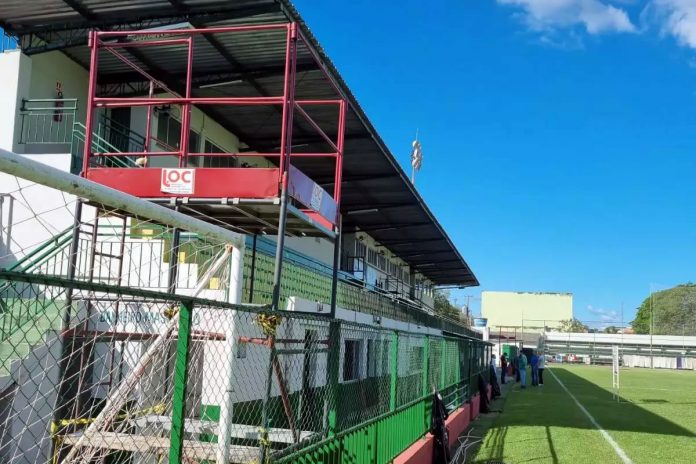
{"points": [[573, 325], [612, 329], [444, 307], [669, 312]]}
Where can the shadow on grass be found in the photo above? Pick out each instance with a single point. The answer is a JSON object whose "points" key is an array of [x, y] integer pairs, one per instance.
{"points": [[622, 416], [552, 449]]}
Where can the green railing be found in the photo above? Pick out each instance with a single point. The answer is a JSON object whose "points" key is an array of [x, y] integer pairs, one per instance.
{"points": [[99, 145], [450, 366], [120, 135], [47, 120], [43, 258], [310, 279]]}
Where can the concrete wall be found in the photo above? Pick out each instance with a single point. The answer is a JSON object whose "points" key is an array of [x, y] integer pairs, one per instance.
{"points": [[517, 309], [52, 67], [16, 68]]}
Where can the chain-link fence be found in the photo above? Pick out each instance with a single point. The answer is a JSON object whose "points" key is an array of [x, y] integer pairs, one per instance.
{"points": [[119, 343], [113, 373]]}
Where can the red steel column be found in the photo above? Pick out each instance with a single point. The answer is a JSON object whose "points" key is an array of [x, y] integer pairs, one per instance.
{"points": [[91, 89], [288, 99], [186, 109], [148, 125], [339, 159]]}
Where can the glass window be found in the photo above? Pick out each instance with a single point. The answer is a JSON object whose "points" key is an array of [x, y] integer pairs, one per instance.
{"points": [[371, 359], [351, 360], [217, 161], [169, 134]]}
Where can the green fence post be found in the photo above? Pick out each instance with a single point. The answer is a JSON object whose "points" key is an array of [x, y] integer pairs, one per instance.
{"points": [[426, 363], [180, 376], [394, 370], [332, 373], [443, 364], [426, 368]]}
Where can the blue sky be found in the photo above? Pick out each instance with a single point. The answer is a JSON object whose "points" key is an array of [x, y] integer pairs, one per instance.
{"points": [[559, 136]]}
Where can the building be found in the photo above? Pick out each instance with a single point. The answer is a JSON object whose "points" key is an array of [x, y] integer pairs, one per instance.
{"points": [[657, 351], [361, 247], [530, 310]]}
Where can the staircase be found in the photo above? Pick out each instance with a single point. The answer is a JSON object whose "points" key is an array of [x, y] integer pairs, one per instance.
{"points": [[20, 338], [101, 145], [26, 312]]}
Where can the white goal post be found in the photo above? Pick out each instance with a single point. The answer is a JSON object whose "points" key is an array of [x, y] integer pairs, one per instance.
{"points": [[615, 372], [234, 243], [40, 173]]}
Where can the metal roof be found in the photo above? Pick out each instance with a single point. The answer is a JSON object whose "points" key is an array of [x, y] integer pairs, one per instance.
{"points": [[377, 198]]}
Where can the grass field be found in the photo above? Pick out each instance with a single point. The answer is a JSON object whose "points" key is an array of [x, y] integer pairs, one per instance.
{"points": [[654, 423]]}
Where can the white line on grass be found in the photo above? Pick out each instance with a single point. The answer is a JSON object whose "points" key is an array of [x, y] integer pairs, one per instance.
{"points": [[621, 453]]}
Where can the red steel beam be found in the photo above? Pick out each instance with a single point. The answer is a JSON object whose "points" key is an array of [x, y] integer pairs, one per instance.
{"points": [[209, 30], [316, 126], [152, 43]]}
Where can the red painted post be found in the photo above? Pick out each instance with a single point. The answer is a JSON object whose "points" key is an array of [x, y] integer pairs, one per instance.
{"points": [[339, 159], [91, 89], [286, 108], [148, 124], [186, 109]]}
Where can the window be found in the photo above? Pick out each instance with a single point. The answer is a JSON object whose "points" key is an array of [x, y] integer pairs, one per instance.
{"points": [[382, 262], [360, 249], [416, 359], [371, 359], [169, 133], [217, 161], [351, 360]]}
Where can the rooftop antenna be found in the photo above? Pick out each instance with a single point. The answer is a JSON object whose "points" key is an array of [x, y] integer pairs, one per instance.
{"points": [[416, 158]]}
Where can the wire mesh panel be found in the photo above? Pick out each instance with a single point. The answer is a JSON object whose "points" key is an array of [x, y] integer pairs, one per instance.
{"points": [[412, 361], [364, 373]]}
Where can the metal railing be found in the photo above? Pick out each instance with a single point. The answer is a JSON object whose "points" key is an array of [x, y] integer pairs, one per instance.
{"points": [[99, 145], [119, 136], [47, 120]]}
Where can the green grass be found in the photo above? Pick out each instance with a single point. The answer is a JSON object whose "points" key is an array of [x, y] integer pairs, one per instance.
{"points": [[654, 423]]}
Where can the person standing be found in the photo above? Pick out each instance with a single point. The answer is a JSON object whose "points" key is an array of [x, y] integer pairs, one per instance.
{"points": [[540, 367], [534, 363], [515, 367], [503, 368], [522, 369]]}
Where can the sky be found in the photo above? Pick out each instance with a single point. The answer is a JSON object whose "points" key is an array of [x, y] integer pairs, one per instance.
{"points": [[559, 136]]}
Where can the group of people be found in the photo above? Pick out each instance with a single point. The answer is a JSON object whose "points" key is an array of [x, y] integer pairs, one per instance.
{"points": [[519, 368]]}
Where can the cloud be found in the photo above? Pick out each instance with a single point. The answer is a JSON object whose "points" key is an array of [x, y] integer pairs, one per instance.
{"points": [[596, 16], [676, 18], [603, 315]]}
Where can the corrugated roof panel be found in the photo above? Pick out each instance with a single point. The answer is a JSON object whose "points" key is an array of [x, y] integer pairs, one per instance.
{"points": [[372, 175]]}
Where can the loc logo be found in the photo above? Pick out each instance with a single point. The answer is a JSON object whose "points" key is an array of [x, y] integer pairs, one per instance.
{"points": [[177, 181]]}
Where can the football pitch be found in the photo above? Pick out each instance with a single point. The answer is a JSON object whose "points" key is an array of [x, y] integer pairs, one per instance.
{"points": [[573, 419]]}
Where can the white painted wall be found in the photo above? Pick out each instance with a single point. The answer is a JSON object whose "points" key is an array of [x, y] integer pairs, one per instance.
{"points": [[16, 68], [49, 68]]}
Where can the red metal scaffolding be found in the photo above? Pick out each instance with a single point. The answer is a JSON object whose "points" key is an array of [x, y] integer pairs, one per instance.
{"points": [[320, 207]]}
